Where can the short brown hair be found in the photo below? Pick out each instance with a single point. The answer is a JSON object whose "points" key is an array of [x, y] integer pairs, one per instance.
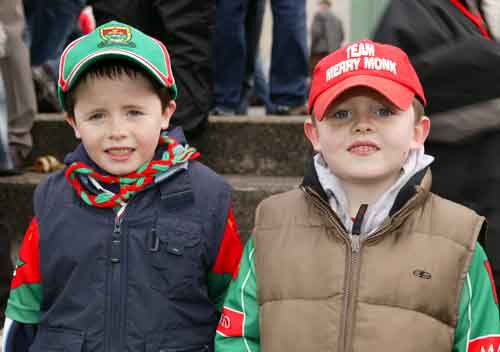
{"points": [[113, 69], [418, 108]]}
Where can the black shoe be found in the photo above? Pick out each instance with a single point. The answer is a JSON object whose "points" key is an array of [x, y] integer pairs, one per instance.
{"points": [[45, 89], [219, 111]]}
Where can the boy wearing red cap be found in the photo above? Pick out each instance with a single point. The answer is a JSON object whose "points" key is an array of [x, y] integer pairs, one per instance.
{"points": [[133, 244], [362, 256]]}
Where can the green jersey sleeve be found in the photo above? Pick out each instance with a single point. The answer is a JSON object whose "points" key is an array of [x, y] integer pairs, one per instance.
{"points": [[226, 262], [25, 291], [478, 326], [238, 328]]}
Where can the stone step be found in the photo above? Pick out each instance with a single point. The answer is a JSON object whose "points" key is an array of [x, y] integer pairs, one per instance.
{"points": [[244, 145], [16, 198]]}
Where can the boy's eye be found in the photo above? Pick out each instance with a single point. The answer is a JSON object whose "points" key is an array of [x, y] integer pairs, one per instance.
{"points": [[341, 114], [96, 116], [384, 112], [135, 113]]}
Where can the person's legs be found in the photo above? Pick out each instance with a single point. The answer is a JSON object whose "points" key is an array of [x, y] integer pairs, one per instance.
{"points": [[16, 72], [50, 24], [289, 62], [230, 53], [5, 159], [253, 29], [187, 27]]}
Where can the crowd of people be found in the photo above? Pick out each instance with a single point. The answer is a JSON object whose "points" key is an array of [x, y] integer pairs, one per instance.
{"points": [[216, 53], [371, 252]]}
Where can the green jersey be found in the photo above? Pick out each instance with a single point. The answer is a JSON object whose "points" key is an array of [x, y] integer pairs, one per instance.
{"points": [[478, 327]]}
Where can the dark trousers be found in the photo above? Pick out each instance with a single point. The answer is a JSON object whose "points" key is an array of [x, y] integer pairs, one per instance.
{"points": [[289, 62], [254, 82], [16, 73], [469, 174], [187, 28], [50, 24]]}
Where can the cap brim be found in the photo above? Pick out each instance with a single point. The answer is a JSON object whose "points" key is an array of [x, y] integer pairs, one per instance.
{"points": [[396, 93], [120, 54]]}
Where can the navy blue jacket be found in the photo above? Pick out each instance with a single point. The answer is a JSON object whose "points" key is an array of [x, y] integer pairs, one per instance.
{"points": [[139, 284]]}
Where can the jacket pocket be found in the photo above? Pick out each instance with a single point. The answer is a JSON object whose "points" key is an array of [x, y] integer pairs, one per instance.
{"points": [[57, 340], [176, 263]]}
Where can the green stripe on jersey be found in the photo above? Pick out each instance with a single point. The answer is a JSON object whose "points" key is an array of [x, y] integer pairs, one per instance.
{"points": [[24, 304], [217, 286], [242, 297], [478, 314]]}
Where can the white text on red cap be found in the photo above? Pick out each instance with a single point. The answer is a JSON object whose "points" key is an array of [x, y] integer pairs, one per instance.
{"points": [[370, 62]]}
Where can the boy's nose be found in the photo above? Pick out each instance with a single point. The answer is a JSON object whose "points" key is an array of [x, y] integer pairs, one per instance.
{"points": [[363, 125], [117, 129]]}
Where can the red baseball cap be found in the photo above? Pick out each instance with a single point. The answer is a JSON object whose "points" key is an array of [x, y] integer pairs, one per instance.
{"points": [[384, 68]]}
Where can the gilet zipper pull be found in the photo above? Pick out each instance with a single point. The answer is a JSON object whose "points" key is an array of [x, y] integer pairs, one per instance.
{"points": [[356, 227]]}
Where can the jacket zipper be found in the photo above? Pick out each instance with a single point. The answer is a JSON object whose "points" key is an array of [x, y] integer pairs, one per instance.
{"points": [[354, 272], [114, 288], [353, 262], [352, 254]]}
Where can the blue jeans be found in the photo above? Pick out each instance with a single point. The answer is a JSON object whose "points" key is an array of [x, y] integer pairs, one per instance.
{"points": [[289, 58], [50, 23], [289, 63], [256, 85], [230, 52], [254, 82]]}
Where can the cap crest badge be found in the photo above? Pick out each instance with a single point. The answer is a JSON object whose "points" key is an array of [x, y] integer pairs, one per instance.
{"points": [[116, 35]]}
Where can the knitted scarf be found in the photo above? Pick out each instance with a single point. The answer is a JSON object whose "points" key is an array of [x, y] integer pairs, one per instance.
{"points": [[132, 183]]}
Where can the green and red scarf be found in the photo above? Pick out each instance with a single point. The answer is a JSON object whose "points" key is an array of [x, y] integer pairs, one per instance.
{"points": [[134, 182]]}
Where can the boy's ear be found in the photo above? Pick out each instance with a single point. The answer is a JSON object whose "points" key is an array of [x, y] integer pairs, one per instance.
{"points": [[311, 132], [422, 129], [167, 114], [72, 122]]}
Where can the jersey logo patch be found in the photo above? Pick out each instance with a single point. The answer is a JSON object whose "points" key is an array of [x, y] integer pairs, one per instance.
{"points": [[231, 322], [489, 343]]}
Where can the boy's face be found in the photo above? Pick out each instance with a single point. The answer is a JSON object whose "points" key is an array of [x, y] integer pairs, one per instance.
{"points": [[119, 121], [364, 139]]}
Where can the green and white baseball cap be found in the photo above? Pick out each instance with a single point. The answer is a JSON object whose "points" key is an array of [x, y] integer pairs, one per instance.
{"points": [[117, 41]]}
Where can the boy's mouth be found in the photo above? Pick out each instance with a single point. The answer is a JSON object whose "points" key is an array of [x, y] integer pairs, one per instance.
{"points": [[363, 148], [119, 152]]}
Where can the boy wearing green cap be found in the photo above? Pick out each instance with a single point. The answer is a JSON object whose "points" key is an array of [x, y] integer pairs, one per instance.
{"points": [[133, 244]]}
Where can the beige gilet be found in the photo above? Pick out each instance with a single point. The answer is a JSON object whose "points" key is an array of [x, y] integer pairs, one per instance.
{"points": [[399, 292]]}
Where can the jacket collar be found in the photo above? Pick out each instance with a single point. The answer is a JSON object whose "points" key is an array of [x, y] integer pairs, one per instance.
{"points": [[418, 185]]}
